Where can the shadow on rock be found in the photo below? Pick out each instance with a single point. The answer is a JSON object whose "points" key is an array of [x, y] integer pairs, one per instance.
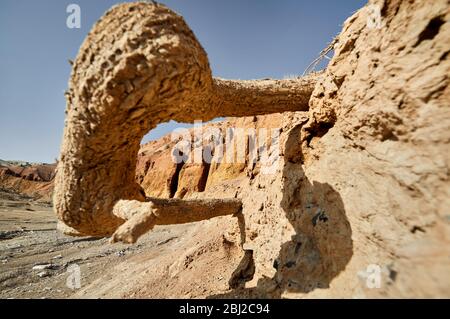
{"points": [[321, 246]]}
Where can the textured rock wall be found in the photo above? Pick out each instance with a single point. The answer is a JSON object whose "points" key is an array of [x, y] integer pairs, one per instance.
{"points": [[378, 135], [366, 179], [139, 66], [157, 172], [363, 185]]}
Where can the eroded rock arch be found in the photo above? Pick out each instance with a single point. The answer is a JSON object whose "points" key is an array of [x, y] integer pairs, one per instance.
{"points": [[141, 65]]}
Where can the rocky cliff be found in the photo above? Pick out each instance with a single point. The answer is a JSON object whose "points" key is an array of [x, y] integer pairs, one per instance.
{"points": [[33, 180], [363, 183], [357, 202]]}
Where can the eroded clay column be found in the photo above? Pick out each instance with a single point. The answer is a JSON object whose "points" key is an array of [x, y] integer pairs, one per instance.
{"points": [[139, 66]]}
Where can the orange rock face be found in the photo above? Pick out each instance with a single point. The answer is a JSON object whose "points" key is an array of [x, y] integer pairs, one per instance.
{"points": [[34, 180], [160, 176], [156, 169]]}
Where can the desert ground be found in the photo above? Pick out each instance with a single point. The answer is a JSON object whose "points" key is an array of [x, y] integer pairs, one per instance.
{"points": [[28, 238]]}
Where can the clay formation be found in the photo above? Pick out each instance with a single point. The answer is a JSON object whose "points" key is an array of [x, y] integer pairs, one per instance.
{"points": [[141, 65]]}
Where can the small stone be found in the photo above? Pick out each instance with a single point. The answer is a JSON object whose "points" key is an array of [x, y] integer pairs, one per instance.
{"points": [[129, 87], [43, 274], [57, 257], [42, 267]]}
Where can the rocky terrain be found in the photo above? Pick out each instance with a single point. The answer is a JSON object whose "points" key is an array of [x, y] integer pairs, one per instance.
{"points": [[357, 204], [30, 179], [36, 261]]}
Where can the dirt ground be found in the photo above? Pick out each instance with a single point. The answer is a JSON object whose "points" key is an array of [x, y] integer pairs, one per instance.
{"points": [[28, 237], [168, 262]]}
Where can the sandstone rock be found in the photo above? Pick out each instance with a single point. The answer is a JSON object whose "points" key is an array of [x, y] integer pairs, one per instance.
{"points": [[363, 188], [31, 172], [161, 176], [368, 179], [139, 66], [33, 180]]}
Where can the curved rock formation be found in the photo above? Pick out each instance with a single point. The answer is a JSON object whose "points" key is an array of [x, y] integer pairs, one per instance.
{"points": [[141, 65]]}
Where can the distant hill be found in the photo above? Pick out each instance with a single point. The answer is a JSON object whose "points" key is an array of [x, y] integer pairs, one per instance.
{"points": [[25, 178]]}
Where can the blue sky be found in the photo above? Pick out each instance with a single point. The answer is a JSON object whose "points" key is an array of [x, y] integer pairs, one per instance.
{"points": [[244, 39]]}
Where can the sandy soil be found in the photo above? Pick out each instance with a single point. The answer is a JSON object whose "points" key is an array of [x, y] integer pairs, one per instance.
{"points": [[189, 260], [28, 237]]}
